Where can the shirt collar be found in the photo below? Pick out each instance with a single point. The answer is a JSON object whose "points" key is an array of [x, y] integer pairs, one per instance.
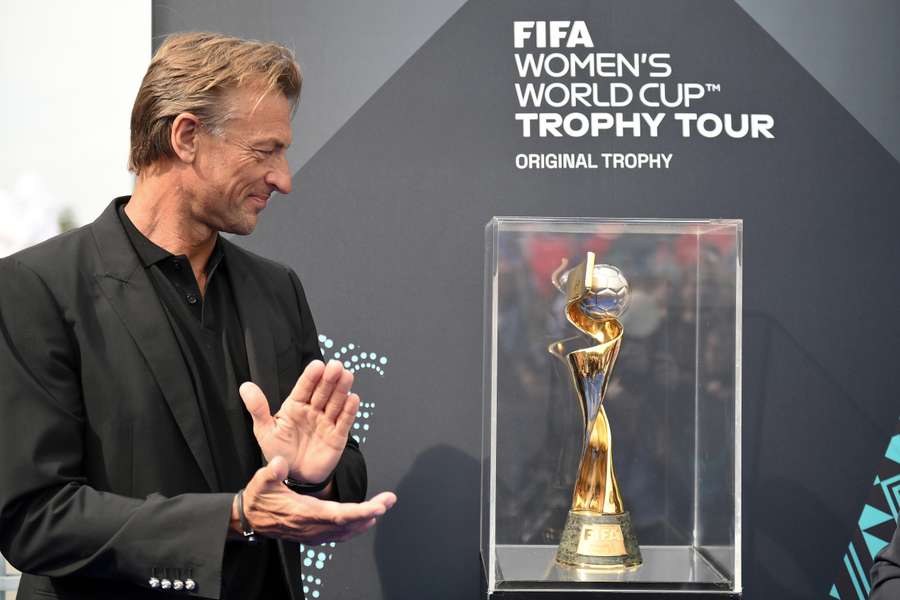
{"points": [[150, 253]]}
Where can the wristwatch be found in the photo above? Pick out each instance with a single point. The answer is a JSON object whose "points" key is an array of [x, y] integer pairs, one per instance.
{"points": [[307, 488]]}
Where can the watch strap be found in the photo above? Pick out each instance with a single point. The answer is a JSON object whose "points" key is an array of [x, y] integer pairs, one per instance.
{"points": [[307, 488]]}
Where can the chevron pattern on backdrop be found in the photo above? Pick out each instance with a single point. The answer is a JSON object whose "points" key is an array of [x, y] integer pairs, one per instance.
{"points": [[876, 527]]}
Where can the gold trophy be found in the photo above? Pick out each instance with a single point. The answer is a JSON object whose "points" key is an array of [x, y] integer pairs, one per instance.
{"points": [[598, 531]]}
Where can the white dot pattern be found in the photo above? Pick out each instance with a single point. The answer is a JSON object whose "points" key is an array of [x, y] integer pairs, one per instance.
{"points": [[315, 559]]}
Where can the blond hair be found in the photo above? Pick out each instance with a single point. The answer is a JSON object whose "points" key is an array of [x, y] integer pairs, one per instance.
{"points": [[191, 72]]}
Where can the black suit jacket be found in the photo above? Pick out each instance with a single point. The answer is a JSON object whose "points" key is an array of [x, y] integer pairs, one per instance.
{"points": [[106, 475], [886, 571]]}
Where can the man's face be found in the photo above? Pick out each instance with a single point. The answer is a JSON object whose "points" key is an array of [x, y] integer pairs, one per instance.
{"points": [[238, 170]]}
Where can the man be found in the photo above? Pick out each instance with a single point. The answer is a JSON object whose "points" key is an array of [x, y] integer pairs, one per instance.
{"points": [[885, 571], [132, 467]]}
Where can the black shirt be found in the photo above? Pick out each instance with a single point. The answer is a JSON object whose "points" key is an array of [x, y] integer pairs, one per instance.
{"points": [[209, 333]]}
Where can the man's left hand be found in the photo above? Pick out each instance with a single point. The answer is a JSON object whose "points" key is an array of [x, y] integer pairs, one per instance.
{"points": [[311, 427]]}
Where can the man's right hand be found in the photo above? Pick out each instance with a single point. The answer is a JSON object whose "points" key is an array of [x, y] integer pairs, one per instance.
{"points": [[273, 510]]}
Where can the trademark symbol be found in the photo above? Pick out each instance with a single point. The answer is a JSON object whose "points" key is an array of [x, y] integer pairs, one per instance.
{"points": [[713, 87]]}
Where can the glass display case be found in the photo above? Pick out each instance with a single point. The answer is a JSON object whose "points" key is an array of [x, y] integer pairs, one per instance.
{"points": [[672, 407]]}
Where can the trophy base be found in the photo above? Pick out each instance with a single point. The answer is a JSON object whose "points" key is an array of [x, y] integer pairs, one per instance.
{"points": [[598, 541]]}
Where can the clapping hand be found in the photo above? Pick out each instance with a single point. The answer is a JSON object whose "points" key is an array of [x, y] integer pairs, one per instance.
{"points": [[272, 510], [310, 429], [304, 440]]}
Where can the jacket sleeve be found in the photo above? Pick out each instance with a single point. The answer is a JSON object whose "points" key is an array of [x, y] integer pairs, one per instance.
{"points": [[52, 522], [886, 571], [350, 478]]}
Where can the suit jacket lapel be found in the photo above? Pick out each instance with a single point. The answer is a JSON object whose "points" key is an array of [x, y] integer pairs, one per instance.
{"points": [[258, 337], [126, 285]]}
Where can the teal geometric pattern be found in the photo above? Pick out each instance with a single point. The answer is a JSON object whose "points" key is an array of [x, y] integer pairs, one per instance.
{"points": [[315, 559], [876, 526]]}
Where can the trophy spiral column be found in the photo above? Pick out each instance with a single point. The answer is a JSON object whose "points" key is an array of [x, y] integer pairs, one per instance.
{"points": [[598, 531]]}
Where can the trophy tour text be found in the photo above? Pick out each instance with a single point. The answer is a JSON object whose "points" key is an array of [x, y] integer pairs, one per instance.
{"points": [[566, 89]]}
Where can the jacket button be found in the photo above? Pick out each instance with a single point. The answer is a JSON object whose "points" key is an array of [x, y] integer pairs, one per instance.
{"points": [[153, 583], [192, 299], [190, 585], [165, 584]]}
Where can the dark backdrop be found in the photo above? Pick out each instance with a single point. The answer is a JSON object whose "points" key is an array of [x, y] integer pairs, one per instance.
{"points": [[385, 228]]}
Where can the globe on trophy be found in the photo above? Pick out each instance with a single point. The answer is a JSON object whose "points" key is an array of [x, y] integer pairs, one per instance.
{"points": [[598, 531]]}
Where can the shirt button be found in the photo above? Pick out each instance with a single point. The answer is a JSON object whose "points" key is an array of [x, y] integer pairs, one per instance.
{"points": [[192, 299], [177, 264]]}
